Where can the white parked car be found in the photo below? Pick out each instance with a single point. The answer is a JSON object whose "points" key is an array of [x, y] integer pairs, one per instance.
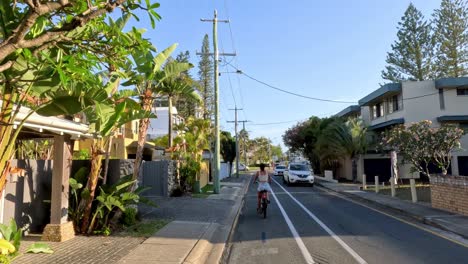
{"points": [[279, 170], [298, 173], [243, 167]]}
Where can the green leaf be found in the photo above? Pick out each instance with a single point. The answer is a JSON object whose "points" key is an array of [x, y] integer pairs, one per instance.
{"points": [[130, 196], [124, 185], [85, 194], [62, 105], [162, 57], [114, 119], [153, 23], [113, 201], [6, 18], [39, 26], [155, 5], [17, 238], [75, 185], [39, 248], [155, 15], [101, 199]]}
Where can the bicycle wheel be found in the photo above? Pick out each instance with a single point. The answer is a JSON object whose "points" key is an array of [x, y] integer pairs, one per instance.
{"points": [[265, 205]]}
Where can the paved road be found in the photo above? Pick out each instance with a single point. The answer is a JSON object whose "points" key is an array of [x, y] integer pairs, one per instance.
{"points": [[310, 225]]}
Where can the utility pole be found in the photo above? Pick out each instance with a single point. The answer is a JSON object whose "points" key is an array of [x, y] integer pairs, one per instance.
{"points": [[216, 158], [237, 140]]}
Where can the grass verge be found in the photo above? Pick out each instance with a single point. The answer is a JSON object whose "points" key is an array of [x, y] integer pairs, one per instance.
{"points": [[145, 228], [205, 191]]}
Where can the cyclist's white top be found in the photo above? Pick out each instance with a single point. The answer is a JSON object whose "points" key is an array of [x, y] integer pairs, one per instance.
{"points": [[262, 177]]}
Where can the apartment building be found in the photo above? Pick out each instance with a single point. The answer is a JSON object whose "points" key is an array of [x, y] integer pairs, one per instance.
{"points": [[440, 101], [159, 126]]}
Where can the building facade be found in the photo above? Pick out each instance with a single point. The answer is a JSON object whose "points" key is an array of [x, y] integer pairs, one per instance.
{"points": [[442, 101]]}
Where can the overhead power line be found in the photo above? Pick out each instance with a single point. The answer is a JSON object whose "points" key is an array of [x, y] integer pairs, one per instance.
{"points": [[316, 98], [288, 92], [235, 60]]}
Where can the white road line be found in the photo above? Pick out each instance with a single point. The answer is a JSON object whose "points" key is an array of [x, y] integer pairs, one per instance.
{"points": [[328, 230], [308, 258]]}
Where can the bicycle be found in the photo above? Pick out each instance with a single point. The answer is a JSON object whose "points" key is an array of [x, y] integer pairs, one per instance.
{"points": [[263, 203]]}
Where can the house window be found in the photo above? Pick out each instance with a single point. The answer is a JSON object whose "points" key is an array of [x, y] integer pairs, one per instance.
{"points": [[377, 110], [394, 104], [441, 99], [462, 91], [464, 126]]}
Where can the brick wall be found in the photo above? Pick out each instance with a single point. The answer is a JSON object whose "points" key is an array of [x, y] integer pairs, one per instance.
{"points": [[450, 193]]}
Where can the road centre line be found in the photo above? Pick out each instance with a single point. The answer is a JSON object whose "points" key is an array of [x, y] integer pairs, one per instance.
{"points": [[305, 252], [353, 253]]}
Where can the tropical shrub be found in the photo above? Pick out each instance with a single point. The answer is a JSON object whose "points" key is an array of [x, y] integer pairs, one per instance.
{"points": [[191, 144], [110, 200], [11, 241], [129, 216], [188, 171], [420, 144]]}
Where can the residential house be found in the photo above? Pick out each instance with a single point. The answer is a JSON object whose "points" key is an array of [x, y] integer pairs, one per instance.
{"points": [[31, 183], [124, 143], [440, 101], [353, 111], [160, 126]]}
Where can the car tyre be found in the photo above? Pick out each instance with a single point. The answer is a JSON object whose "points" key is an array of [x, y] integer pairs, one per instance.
{"points": [[311, 185]]}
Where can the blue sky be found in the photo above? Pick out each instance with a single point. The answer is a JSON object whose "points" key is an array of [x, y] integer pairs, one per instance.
{"points": [[332, 49]]}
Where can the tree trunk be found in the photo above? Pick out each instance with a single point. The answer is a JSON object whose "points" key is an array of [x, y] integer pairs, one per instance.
{"points": [[147, 103], [394, 166], [106, 164], [96, 162], [170, 121], [7, 134], [354, 168]]}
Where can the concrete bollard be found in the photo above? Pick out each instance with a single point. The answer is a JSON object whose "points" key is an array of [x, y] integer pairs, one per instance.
{"points": [[392, 186], [414, 195], [364, 184], [376, 184]]}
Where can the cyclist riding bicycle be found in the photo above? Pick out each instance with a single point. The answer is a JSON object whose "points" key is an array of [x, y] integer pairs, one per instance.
{"points": [[264, 180]]}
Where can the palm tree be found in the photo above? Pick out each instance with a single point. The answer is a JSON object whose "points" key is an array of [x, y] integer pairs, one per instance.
{"points": [[150, 75], [343, 139], [180, 85]]}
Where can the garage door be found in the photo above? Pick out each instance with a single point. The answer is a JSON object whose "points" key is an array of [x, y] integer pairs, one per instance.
{"points": [[463, 165], [377, 167]]}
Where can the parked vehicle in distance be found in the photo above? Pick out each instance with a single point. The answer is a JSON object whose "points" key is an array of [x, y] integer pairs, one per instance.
{"points": [[243, 167], [298, 173], [279, 170]]}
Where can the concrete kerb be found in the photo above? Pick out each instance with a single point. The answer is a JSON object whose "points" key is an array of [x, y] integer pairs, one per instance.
{"points": [[405, 213], [205, 251]]}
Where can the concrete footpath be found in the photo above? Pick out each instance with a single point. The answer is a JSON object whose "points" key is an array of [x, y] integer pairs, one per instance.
{"points": [[421, 212], [199, 229]]}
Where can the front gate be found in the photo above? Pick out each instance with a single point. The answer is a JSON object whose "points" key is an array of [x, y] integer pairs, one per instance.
{"points": [[155, 175]]}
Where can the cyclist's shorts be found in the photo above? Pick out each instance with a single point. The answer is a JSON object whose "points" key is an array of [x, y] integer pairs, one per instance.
{"points": [[263, 186]]}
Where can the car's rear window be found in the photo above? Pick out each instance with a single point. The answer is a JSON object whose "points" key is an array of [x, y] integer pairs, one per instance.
{"points": [[281, 167], [299, 167]]}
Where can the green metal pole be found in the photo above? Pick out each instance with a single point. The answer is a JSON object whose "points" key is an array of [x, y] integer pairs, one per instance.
{"points": [[217, 165]]}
